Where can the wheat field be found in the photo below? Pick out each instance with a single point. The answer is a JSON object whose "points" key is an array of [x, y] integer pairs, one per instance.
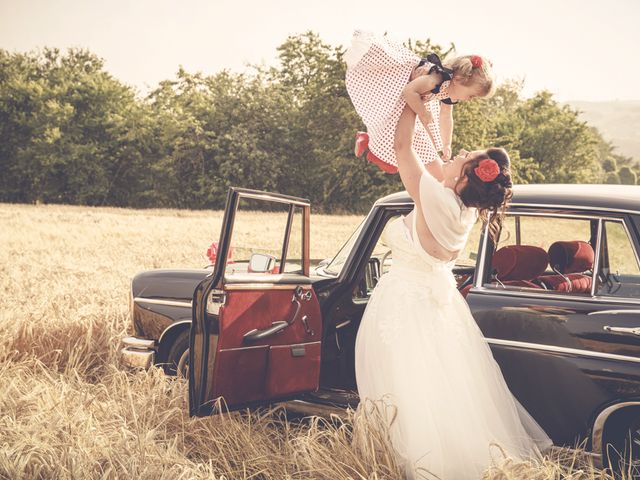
{"points": [[68, 410]]}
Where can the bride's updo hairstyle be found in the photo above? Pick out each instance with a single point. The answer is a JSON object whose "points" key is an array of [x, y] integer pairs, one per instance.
{"points": [[489, 197]]}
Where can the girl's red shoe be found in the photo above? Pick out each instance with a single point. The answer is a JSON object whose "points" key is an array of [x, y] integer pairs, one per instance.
{"points": [[362, 147], [362, 143]]}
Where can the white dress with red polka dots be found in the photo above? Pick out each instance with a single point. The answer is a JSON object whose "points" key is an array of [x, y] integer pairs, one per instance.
{"points": [[377, 71]]}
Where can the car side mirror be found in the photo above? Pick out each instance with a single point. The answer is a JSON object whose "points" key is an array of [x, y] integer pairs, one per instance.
{"points": [[261, 263]]}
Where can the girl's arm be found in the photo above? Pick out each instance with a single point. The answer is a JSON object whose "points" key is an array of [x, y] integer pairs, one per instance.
{"points": [[409, 166], [446, 129], [413, 92]]}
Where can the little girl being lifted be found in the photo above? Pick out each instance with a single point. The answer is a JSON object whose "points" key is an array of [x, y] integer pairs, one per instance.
{"points": [[383, 76]]}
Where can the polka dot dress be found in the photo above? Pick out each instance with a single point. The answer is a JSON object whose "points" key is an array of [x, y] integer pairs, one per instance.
{"points": [[377, 71]]}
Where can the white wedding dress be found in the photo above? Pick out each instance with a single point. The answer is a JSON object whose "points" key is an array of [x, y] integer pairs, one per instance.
{"points": [[419, 349]]}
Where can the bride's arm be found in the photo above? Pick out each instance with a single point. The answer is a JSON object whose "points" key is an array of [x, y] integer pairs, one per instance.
{"points": [[409, 166], [412, 174]]}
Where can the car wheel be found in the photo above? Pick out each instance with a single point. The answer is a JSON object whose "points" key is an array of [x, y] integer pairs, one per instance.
{"points": [[623, 450], [183, 365], [178, 352]]}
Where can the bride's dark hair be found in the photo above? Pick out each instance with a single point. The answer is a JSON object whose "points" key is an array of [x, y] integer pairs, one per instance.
{"points": [[490, 198]]}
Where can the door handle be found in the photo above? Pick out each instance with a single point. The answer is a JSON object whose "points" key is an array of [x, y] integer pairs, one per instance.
{"points": [[629, 330], [255, 334], [276, 327], [295, 314], [615, 312]]}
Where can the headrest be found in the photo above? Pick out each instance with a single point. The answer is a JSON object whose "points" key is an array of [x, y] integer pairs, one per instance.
{"points": [[520, 262], [571, 257]]}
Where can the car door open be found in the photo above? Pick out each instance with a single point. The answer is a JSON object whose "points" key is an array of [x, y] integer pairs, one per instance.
{"points": [[257, 325]]}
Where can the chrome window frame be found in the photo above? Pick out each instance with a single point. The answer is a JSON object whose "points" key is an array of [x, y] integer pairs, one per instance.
{"points": [[629, 237], [478, 286], [293, 203]]}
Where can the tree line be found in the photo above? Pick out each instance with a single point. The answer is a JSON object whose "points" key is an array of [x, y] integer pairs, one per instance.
{"points": [[72, 133]]}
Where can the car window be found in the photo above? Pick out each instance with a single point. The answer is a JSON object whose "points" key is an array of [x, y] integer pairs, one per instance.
{"points": [[335, 266], [258, 238], [293, 263], [379, 263], [619, 273], [545, 254], [543, 231], [469, 254]]}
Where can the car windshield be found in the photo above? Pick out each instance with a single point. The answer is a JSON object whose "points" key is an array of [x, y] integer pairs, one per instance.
{"points": [[335, 267]]}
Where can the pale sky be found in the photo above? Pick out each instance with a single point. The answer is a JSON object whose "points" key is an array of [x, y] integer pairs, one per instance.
{"points": [[577, 49]]}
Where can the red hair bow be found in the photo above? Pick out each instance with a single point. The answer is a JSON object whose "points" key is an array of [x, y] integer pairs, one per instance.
{"points": [[476, 61], [487, 170]]}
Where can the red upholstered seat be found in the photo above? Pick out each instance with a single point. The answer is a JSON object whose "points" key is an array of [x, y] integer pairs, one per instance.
{"points": [[519, 262], [578, 282], [570, 260], [517, 265], [571, 257]]}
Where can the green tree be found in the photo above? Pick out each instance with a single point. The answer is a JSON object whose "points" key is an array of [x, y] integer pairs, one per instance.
{"points": [[69, 129], [627, 176], [612, 178], [563, 147], [609, 164], [72, 133]]}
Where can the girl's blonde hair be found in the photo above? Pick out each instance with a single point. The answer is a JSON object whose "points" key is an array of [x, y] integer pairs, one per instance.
{"points": [[467, 74]]}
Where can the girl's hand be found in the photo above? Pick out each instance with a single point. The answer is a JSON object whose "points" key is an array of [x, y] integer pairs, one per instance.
{"points": [[446, 153]]}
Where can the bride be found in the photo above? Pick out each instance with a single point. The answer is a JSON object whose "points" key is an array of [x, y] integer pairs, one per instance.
{"points": [[418, 346]]}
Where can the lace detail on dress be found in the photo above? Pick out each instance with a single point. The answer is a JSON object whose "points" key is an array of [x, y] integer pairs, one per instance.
{"points": [[419, 346], [425, 281]]}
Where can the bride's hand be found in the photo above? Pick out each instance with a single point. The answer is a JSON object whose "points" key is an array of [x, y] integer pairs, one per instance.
{"points": [[446, 153]]}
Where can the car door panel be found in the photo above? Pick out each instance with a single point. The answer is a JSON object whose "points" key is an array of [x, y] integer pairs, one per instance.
{"points": [[239, 374], [255, 337], [537, 353], [289, 367], [258, 310], [556, 354]]}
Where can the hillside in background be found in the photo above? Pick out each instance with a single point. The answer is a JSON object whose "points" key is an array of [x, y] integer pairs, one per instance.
{"points": [[618, 121]]}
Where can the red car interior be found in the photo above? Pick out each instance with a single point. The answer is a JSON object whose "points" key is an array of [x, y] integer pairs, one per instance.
{"points": [[518, 265], [268, 368], [525, 265], [571, 261]]}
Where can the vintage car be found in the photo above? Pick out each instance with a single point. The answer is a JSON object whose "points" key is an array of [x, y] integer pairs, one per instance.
{"points": [[558, 300]]}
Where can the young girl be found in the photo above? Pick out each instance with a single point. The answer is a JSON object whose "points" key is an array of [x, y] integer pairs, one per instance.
{"points": [[383, 76]]}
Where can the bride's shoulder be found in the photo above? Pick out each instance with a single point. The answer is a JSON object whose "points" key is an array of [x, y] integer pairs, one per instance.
{"points": [[393, 228]]}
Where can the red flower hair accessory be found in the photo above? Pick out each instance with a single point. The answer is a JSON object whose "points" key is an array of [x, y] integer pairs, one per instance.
{"points": [[476, 61], [487, 170]]}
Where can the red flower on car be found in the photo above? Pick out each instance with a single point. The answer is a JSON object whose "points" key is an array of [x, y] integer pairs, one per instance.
{"points": [[212, 252]]}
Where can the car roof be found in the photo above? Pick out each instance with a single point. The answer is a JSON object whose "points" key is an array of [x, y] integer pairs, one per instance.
{"points": [[597, 196]]}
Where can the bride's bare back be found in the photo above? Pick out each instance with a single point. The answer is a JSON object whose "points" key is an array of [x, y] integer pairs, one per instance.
{"points": [[426, 238]]}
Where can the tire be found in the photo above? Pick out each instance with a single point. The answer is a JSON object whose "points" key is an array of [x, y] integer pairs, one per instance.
{"points": [[183, 365], [178, 355], [622, 450]]}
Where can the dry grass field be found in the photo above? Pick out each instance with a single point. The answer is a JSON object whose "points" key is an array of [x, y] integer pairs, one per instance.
{"points": [[68, 411]]}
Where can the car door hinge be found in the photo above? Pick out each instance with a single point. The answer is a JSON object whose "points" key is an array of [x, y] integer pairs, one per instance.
{"points": [[216, 299]]}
